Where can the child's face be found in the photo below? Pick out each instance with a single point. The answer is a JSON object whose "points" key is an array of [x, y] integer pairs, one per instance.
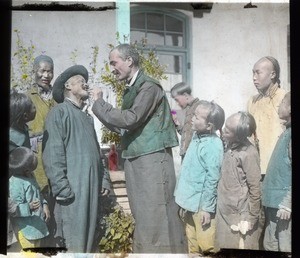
{"points": [[229, 131], [181, 100], [199, 120], [284, 110]]}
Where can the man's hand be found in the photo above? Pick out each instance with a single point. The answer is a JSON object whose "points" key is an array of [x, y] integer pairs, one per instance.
{"points": [[96, 93]]}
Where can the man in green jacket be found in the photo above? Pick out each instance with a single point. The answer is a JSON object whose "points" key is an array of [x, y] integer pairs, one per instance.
{"points": [[147, 136]]}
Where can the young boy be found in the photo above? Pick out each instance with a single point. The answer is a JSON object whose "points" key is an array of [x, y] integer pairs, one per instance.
{"points": [[239, 191], [196, 190], [276, 191], [182, 94]]}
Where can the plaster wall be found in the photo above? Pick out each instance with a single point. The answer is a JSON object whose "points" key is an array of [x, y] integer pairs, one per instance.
{"points": [[58, 34], [225, 45]]}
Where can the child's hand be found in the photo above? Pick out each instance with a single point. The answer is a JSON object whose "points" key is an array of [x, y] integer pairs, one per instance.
{"points": [[243, 226], [283, 214], [104, 192], [174, 117], [34, 205], [205, 218], [46, 212]]}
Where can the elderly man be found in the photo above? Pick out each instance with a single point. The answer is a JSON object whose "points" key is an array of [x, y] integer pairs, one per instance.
{"points": [[148, 135], [73, 164]]}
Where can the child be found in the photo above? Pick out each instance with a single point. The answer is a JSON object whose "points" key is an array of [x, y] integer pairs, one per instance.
{"points": [[113, 158], [276, 189], [30, 224], [239, 191], [182, 94], [22, 110], [196, 189]]}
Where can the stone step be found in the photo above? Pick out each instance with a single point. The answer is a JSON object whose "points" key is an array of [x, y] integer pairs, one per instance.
{"points": [[119, 192], [119, 189]]}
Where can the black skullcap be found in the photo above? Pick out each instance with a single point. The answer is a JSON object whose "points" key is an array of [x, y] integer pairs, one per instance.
{"points": [[59, 84]]}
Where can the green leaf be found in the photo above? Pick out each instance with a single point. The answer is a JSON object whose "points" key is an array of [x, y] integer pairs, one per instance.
{"points": [[117, 236], [112, 231]]}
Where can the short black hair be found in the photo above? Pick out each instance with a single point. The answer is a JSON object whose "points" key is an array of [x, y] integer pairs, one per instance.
{"points": [[180, 88], [20, 159], [42, 58], [216, 115]]}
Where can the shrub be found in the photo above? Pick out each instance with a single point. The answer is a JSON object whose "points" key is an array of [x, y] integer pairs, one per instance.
{"points": [[119, 228], [22, 73]]}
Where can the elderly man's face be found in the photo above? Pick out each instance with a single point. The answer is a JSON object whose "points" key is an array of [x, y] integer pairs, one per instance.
{"points": [[78, 87], [44, 74], [120, 68]]}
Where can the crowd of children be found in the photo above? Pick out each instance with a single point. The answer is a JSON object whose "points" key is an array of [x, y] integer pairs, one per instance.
{"points": [[221, 196]]}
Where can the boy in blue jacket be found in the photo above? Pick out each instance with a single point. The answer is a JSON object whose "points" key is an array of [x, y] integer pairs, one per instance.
{"points": [[196, 189]]}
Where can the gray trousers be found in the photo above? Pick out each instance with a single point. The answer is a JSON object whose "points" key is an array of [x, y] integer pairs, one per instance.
{"points": [[277, 233], [150, 183]]}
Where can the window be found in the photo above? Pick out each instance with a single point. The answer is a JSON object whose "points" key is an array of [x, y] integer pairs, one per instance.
{"points": [[167, 32]]}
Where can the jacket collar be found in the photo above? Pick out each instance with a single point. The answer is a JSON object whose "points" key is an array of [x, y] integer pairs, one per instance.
{"points": [[270, 93]]}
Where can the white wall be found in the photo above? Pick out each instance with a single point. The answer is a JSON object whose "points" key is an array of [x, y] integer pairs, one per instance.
{"points": [[57, 34], [225, 45]]}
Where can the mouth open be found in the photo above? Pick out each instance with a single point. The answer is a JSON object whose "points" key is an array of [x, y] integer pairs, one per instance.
{"points": [[116, 73]]}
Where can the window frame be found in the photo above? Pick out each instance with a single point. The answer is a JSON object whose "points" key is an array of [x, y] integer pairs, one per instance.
{"points": [[183, 51]]}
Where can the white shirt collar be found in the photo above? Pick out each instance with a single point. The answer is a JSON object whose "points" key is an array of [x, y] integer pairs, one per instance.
{"points": [[133, 79]]}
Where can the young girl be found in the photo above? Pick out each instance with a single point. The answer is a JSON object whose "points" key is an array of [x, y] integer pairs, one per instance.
{"points": [[22, 110], [196, 190], [239, 191], [30, 223]]}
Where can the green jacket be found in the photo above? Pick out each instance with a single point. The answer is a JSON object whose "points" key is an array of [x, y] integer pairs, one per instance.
{"points": [[157, 133], [278, 179], [36, 126]]}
